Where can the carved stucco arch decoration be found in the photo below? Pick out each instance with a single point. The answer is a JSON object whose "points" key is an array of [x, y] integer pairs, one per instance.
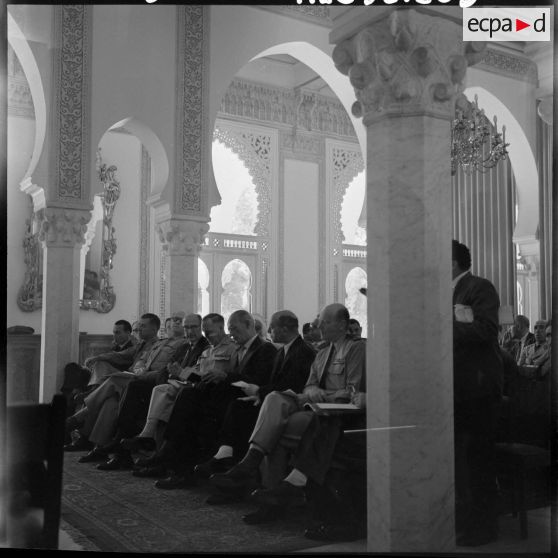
{"points": [[346, 164], [255, 150]]}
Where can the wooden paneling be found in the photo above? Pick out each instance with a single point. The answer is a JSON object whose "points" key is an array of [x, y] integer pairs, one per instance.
{"points": [[24, 362]]}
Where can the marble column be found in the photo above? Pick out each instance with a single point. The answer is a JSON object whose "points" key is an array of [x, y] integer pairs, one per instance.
{"points": [[407, 69], [62, 233], [182, 239]]}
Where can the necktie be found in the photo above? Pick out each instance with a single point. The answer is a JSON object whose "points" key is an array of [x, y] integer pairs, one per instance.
{"points": [[280, 359], [240, 355], [186, 357], [330, 358]]}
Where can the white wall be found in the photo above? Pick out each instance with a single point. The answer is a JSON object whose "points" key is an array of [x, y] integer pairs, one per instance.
{"points": [[133, 72], [301, 277], [21, 134], [124, 151]]}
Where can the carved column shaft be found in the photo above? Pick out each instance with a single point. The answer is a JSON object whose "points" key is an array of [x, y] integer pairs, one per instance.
{"points": [[62, 233], [407, 69], [182, 241]]}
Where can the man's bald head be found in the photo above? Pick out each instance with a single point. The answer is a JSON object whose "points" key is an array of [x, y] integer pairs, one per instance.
{"points": [[283, 326], [334, 321], [192, 328]]}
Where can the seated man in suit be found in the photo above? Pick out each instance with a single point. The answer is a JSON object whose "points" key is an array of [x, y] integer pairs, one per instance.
{"points": [[355, 329], [98, 417], [532, 352], [517, 337], [199, 410], [156, 402], [77, 378], [335, 373], [291, 368], [134, 404]]}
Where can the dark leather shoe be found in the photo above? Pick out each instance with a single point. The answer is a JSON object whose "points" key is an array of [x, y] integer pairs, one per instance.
{"points": [[93, 456], [153, 472], [283, 495], [334, 533], [212, 466], [264, 514], [81, 444], [176, 481], [138, 443], [238, 477], [117, 463]]}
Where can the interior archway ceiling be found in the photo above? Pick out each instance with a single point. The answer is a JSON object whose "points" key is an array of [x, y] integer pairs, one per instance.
{"points": [[283, 70]]}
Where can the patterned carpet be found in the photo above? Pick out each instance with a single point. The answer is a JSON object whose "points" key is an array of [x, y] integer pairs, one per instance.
{"points": [[115, 511]]}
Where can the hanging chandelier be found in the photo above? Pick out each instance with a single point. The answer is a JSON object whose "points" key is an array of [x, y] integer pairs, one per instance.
{"points": [[476, 145]]}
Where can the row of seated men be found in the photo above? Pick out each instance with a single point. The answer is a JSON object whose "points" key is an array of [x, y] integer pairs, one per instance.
{"points": [[527, 378], [231, 408], [525, 347]]}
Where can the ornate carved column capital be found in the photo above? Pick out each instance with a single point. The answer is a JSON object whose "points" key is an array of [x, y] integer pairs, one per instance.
{"points": [[63, 226], [406, 63], [182, 238]]}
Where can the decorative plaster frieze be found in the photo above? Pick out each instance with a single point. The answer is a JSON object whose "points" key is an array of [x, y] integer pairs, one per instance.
{"points": [[313, 14], [298, 142], [303, 109], [72, 100], [508, 65], [20, 101], [182, 238], [406, 63], [255, 149], [63, 226], [191, 98]]}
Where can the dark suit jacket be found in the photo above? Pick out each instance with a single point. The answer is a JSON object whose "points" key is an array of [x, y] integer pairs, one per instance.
{"points": [[256, 365], [185, 357], [477, 361], [293, 372]]}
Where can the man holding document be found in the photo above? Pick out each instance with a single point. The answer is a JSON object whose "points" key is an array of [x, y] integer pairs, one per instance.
{"points": [[335, 375], [217, 354], [291, 368], [199, 411], [97, 418]]}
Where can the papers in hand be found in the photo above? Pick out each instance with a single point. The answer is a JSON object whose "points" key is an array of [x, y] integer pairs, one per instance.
{"points": [[463, 313], [240, 384], [333, 408]]}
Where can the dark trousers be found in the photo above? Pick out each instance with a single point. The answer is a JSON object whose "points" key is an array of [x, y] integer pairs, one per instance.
{"points": [[76, 378], [237, 426], [133, 408], [196, 418], [475, 472], [335, 464], [321, 441]]}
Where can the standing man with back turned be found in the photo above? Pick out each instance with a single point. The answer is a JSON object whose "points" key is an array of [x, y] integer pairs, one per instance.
{"points": [[478, 378]]}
